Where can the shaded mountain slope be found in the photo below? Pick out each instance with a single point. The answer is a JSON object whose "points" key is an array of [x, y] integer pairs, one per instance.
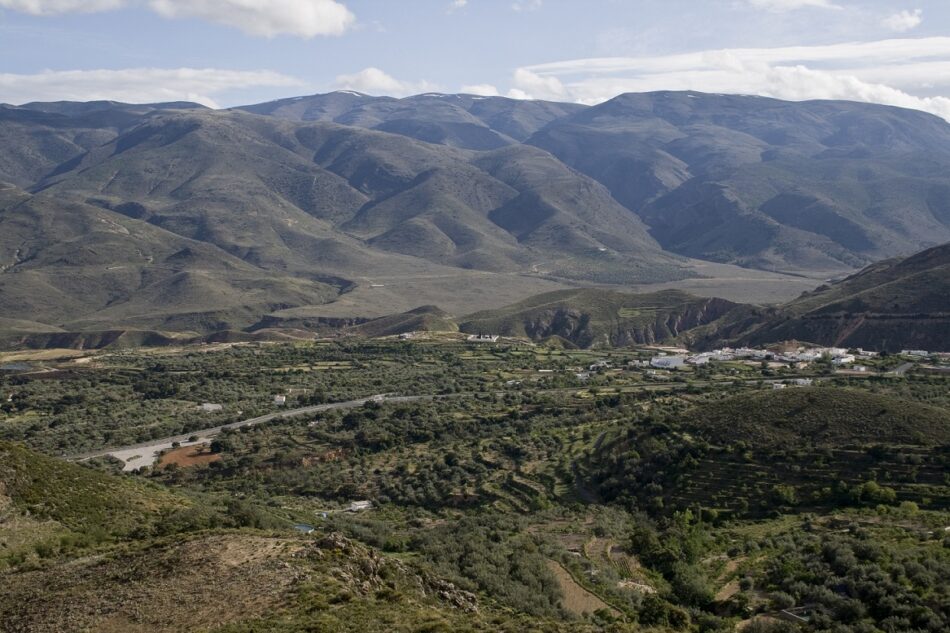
{"points": [[767, 183], [40, 138], [202, 220], [211, 176], [892, 305], [79, 265]]}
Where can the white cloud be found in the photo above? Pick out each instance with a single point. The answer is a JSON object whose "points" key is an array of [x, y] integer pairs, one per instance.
{"points": [[455, 5], [781, 6], [54, 7], [376, 82], [526, 5], [265, 18], [262, 18], [135, 85], [904, 20], [529, 84], [886, 71], [484, 90]]}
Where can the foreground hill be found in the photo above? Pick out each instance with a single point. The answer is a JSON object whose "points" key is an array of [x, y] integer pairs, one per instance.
{"points": [[49, 506], [767, 183], [755, 452], [893, 305], [602, 318], [85, 550]]}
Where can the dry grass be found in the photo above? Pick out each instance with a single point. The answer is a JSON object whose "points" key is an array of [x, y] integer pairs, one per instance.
{"points": [[187, 586], [43, 354], [577, 600]]}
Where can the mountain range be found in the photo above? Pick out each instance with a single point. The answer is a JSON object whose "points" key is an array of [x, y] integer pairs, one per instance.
{"points": [[748, 180], [177, 217]]}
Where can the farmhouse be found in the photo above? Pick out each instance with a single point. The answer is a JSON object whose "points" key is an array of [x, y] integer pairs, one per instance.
{"points": [[210, 407], [280, 400]]}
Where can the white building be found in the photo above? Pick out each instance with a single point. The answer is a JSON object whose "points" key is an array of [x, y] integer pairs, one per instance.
{"points": [[359, 506], [483, 338], [845, 359], [280, 400], [915, 352], [210, 407]]}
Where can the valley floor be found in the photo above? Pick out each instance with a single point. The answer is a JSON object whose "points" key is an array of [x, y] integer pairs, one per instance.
{"points": [[627, 500]]}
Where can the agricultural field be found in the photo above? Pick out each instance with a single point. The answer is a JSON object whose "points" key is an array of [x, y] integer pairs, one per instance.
{"points": [[441, 485]]}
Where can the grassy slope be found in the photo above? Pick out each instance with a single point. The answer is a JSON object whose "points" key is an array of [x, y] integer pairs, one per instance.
{"points": [[77, 497]]}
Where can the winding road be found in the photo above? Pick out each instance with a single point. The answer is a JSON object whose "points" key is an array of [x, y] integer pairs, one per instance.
{"points": [[146, 453]]}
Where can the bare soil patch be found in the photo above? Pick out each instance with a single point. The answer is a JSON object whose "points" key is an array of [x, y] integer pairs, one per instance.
{"points": [[187, 456]]}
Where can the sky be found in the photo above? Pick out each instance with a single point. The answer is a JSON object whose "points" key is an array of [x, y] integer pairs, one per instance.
{"points": [[223, 53]]}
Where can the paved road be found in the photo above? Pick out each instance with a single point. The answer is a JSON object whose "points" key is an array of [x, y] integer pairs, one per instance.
{"points": [[902, 369], [145, 453]]}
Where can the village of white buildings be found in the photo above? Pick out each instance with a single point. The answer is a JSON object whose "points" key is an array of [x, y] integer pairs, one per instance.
{"points": [[791, 365], [804, 358]]}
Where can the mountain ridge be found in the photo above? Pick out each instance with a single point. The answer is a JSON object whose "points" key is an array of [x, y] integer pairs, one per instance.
{"points": [[290, 208]]}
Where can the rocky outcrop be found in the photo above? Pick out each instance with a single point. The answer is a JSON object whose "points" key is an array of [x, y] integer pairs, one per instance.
{"points": [[367, 571]]}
